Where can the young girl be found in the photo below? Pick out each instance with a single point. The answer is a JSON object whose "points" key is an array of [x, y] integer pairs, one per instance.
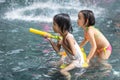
{"points": [[62, 25], [100, 46]]}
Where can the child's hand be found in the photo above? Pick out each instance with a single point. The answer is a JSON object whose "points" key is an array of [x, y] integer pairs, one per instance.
{"points": [[88, 61], [46, 37]]}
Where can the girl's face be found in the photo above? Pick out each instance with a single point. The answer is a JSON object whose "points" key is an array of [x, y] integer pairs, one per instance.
{"points": [[55, 27], [80, 20]]}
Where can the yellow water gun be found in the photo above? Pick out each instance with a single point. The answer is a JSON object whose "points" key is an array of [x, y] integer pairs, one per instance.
{"points": [[43, 33]]}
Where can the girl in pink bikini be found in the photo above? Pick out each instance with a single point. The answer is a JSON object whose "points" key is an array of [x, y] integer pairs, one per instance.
{"points": [[100, 46]]}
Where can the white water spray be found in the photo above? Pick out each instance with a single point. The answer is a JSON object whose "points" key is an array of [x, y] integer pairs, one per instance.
{"points": [[48, 10]]}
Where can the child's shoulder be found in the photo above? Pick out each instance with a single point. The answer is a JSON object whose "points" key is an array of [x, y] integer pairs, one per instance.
{"points": [[93, 29], [69, 35]]}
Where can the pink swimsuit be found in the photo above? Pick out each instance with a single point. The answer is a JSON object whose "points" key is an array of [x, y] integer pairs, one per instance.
{"points": [[105, 48]]}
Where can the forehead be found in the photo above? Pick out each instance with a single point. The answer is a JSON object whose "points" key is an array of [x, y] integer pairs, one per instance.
{"points": [[55, 23], [80, 14]]}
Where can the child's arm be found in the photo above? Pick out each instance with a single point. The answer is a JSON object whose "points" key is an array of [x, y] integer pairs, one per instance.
{"points": [[93, 45], [56, 46], [84, 41]]}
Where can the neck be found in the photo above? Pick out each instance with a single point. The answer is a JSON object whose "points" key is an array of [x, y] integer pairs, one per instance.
{"points": [[65, 33], [84, 28]]}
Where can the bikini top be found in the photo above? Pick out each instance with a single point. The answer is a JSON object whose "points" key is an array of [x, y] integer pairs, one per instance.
{"points": [[86, 34]]}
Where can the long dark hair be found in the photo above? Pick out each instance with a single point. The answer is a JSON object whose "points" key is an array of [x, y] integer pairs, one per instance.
{"points": [[63, 21], [88, 14]]}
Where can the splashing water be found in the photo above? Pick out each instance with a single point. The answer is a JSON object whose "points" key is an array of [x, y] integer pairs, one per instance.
{"points": [[43, 12], [23, 55]]}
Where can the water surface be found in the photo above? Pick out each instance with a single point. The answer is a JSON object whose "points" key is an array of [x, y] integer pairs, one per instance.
{"points": [[26, 56]]}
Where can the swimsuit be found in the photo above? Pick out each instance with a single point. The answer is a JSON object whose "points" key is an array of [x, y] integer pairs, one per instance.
{"points": [[102, 49], [105, 49], [78, 58]]}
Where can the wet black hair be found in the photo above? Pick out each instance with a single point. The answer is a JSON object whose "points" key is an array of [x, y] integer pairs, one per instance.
{"points": [[88, 15], [63, 21]]}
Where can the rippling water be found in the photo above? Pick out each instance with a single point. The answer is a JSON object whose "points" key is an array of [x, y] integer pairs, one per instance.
{"points": [[26, 56]]}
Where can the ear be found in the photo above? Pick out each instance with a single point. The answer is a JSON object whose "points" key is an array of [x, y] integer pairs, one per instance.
{"points": [[87, 22]]}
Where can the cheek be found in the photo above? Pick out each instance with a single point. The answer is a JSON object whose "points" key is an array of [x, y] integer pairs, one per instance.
{"points": [[55, 29], [79, 22]]}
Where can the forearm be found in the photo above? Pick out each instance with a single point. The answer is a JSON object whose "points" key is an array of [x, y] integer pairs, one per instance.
{"points": [[91, 53], [83, 43], [54, 45]]}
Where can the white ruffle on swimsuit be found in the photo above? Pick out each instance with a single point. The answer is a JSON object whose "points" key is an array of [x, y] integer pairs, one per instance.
{"points": [[78, 58]]}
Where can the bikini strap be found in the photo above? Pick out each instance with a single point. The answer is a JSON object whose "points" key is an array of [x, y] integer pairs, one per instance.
{"points": [[103, 49]]}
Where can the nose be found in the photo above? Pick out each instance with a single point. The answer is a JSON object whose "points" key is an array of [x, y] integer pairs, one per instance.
{"points": [[77, 21]]}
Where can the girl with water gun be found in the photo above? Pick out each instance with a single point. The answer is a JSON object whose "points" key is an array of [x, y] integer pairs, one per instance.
{"points": [[75, 59]]}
